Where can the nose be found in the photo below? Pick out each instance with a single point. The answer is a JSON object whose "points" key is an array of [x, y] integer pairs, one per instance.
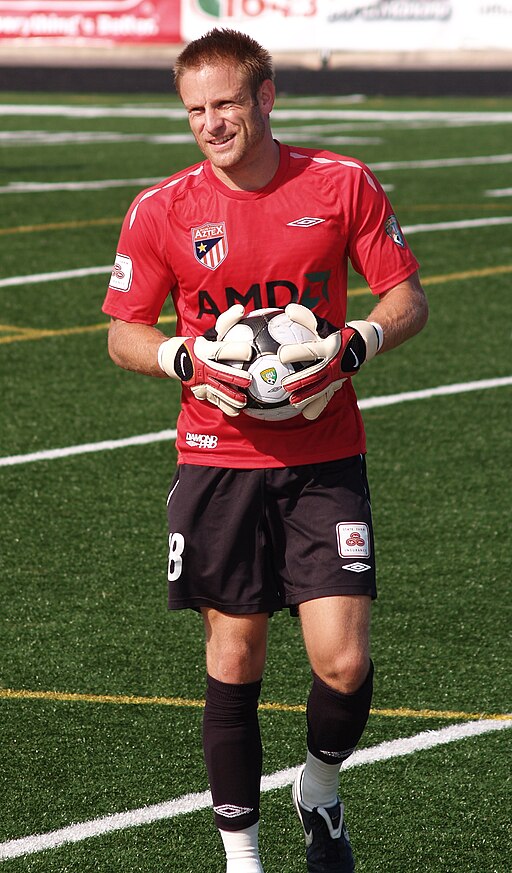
{"points": [[213, 119]]}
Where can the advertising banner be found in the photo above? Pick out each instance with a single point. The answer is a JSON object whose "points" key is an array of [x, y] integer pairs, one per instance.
{"points": [[91, 21], [280, 25], [357, 25], [348, 25]]}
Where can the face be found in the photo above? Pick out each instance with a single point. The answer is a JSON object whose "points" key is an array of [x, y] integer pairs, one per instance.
{"points": [[230, 126]]}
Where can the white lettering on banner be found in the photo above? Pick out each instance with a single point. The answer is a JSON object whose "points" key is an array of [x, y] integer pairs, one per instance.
{"points": [[118, 20], [396, 10]]}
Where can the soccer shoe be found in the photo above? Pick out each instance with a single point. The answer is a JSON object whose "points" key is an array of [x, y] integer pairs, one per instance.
{"points": [[328, 847]]}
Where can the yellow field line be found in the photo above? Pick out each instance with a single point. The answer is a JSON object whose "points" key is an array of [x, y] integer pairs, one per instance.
{"points": [[467, 274], [21, 334], [95, 222], [122, 699], [27, 333]]}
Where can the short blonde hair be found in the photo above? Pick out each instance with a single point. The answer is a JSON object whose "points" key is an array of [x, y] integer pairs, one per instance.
{"points": [[230, 47]]}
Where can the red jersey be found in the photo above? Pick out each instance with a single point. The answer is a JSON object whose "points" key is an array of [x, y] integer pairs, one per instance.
{"points": [[209, 246]]}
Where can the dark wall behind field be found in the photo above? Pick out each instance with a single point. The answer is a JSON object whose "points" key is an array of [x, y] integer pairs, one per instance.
{"points": [[389, 80]]}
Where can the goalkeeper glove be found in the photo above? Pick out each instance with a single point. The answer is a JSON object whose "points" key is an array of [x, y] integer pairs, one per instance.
{"points": [[335, 358], [196, 363]]}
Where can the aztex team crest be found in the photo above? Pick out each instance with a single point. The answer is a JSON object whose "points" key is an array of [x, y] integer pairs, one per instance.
{"points": [[210, 243]]}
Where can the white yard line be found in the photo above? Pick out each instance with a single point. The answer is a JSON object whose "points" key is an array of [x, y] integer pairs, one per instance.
{"points": [[288, 114], [93, 137], [167, 435], [88, 448], [102, 184], [436, 163], [93, 185], [188, 803], [69, 137], [498, 192], [469, 224], [35, 278]]}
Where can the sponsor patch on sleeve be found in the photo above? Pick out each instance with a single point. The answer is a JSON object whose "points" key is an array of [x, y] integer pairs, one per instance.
{"points": [[122, 273], [353, 540]]}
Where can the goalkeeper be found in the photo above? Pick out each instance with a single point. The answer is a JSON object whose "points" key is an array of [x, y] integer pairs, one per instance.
{"points": [[266, 515]]}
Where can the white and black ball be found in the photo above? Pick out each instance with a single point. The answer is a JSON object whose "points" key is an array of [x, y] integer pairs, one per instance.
{"points": [[266, 330]]}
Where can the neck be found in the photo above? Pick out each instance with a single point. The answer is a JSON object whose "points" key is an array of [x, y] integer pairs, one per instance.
{"points": [[254, 174]]}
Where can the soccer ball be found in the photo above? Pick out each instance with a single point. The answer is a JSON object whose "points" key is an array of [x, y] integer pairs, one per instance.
{"points": [[266, 330]]}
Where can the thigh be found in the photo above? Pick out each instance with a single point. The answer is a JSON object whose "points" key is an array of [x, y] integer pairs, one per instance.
{"points": [[327, 532], [219, 553], [336, 634]]}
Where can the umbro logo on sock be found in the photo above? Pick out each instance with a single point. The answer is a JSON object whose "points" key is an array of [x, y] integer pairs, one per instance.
{"points": [[228, 810]]}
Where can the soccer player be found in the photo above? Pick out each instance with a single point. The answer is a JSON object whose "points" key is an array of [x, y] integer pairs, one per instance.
{"points": [[266, 515]]}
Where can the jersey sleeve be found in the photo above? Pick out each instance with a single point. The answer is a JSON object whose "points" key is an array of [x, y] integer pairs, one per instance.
{"points": [[377, 247], [142, 277]]}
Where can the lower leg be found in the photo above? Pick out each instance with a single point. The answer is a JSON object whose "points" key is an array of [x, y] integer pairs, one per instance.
{"points": [[336, 723], [241, 848], [233, 756]]}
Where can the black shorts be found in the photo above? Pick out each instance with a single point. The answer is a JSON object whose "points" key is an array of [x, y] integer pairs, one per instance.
{"points": [[249, 541]]}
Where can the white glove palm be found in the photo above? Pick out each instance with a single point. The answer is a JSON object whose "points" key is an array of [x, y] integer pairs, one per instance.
{"points": [[333, 360]]}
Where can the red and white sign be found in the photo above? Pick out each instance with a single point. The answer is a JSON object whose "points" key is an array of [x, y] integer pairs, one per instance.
{"points": [[280, 25], [91, 21]]}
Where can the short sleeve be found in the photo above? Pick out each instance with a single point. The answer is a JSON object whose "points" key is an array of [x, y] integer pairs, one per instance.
{"points": [[141, 277]]}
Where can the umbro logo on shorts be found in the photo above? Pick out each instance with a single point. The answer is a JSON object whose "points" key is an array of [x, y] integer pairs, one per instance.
{"points": [[357, 567]]}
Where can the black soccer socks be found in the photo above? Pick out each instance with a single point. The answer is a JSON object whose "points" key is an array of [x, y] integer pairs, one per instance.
{"points": [[233, 752], [336, 721]]}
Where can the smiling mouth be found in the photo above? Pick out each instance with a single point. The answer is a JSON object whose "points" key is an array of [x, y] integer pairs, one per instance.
{"points": [[222, 141]]}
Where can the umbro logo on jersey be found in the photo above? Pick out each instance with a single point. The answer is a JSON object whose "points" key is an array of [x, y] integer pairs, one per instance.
{"points": [[307, 221]]}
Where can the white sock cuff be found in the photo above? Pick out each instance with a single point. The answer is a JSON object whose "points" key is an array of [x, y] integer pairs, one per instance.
{"points": [[319, 783], [241, 847]]}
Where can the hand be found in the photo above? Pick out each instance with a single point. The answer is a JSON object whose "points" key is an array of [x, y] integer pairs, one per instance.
{"points": [[196, 362], [334, 359]]}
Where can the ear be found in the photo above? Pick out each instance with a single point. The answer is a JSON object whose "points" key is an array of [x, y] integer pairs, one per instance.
{"points": [[267, 96]]}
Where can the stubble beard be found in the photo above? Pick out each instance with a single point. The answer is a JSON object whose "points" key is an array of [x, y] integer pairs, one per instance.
{"points": [[243, 148]]}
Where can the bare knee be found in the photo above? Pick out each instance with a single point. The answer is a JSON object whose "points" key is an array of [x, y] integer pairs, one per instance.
{"points": [[345, 672], [336, 633], [235, 646]]}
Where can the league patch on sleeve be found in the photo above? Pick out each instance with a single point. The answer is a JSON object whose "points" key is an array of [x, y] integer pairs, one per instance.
{"points": [[353, 540], [393, 230], [122, 273]]}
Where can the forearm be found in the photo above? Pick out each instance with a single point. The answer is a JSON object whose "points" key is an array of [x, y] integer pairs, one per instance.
{"points": [[135, 347], [401, 312]]}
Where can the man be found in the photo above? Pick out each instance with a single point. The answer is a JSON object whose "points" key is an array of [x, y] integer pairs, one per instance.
{"points": [[264, 515]]}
